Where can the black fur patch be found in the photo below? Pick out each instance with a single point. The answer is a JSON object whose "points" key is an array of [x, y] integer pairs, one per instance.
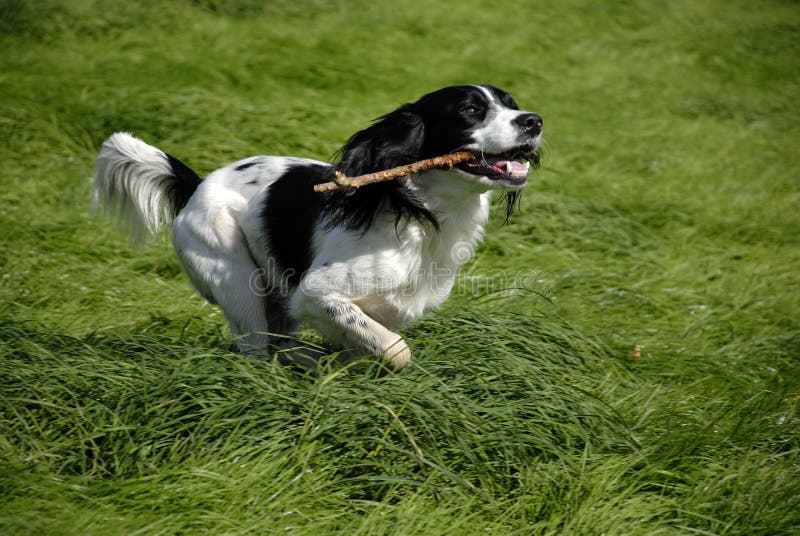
{"points": [[291, 210], [356, 208], [393, 140], [184, 183], [242, 167]]}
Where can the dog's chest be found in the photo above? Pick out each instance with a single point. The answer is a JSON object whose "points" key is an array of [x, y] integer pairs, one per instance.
{"points": [[418, 275], [407, 296]]}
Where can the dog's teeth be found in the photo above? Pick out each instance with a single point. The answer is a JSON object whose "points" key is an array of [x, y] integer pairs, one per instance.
{"points": [[509, 169]]}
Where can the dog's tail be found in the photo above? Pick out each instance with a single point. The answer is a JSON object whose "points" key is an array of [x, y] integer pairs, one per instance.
{"points": [[144, 187]]}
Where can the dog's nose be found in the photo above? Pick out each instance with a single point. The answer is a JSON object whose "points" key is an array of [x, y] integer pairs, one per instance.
{"points": [[530, 123]]}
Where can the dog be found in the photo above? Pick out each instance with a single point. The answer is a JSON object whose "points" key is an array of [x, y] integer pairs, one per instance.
{"points": [[355, 264]]}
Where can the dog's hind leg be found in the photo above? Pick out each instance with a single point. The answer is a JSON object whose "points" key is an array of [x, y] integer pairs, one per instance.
{"points": [[219, 265], [257, 315], [243, 307], [283, 328]]}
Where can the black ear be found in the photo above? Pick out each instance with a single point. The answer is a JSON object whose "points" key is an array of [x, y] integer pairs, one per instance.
{"points": [[393, 140]]}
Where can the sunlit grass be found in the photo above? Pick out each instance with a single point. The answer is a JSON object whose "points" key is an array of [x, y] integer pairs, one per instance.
{"points": [[664, 215]]}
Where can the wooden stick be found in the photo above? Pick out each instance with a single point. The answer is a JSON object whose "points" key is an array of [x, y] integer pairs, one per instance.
{"points": [[342, 181]]}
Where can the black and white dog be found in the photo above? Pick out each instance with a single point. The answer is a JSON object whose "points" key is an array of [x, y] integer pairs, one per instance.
{"points": [[355, 264]]}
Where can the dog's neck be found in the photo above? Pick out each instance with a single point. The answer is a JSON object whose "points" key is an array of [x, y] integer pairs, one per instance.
{"points": [[462, 209], [449, 195]]}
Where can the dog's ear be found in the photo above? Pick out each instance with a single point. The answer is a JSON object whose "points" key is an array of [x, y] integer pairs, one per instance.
{"points": [[393, 140]]}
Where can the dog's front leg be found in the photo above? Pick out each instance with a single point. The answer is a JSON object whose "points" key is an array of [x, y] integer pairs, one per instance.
{"points": [[338, 318]]}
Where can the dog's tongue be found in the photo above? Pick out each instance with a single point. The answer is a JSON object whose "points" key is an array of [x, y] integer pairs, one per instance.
{"points": [[512, 168]]}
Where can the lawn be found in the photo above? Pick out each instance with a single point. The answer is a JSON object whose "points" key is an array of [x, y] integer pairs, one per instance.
{"points": [[666, 215]]}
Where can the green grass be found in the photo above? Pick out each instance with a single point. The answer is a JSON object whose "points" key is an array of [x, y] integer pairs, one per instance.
{"points": [[665, 215]]}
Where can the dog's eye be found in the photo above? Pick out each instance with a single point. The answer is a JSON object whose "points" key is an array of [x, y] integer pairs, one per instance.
{"points": [[472, 109]]}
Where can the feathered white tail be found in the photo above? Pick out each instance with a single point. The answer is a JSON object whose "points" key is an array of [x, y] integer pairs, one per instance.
{"points": [[144, 187]]}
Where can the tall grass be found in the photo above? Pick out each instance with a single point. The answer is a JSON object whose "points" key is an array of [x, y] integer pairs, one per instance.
{"points": [[665, 216]]}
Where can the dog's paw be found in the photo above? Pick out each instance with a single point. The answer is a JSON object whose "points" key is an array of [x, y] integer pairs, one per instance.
{"points": [[397, 355]]}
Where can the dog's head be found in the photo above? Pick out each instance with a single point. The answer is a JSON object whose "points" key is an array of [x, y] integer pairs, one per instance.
{"points": [[482, 119]]}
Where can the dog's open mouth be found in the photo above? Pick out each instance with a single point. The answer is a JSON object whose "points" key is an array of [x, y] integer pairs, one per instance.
{"points": [[511, 166]]}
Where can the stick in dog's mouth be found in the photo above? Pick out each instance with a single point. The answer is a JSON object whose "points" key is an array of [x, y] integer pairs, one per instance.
{"points": [[512, 166], [444, 161]]}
